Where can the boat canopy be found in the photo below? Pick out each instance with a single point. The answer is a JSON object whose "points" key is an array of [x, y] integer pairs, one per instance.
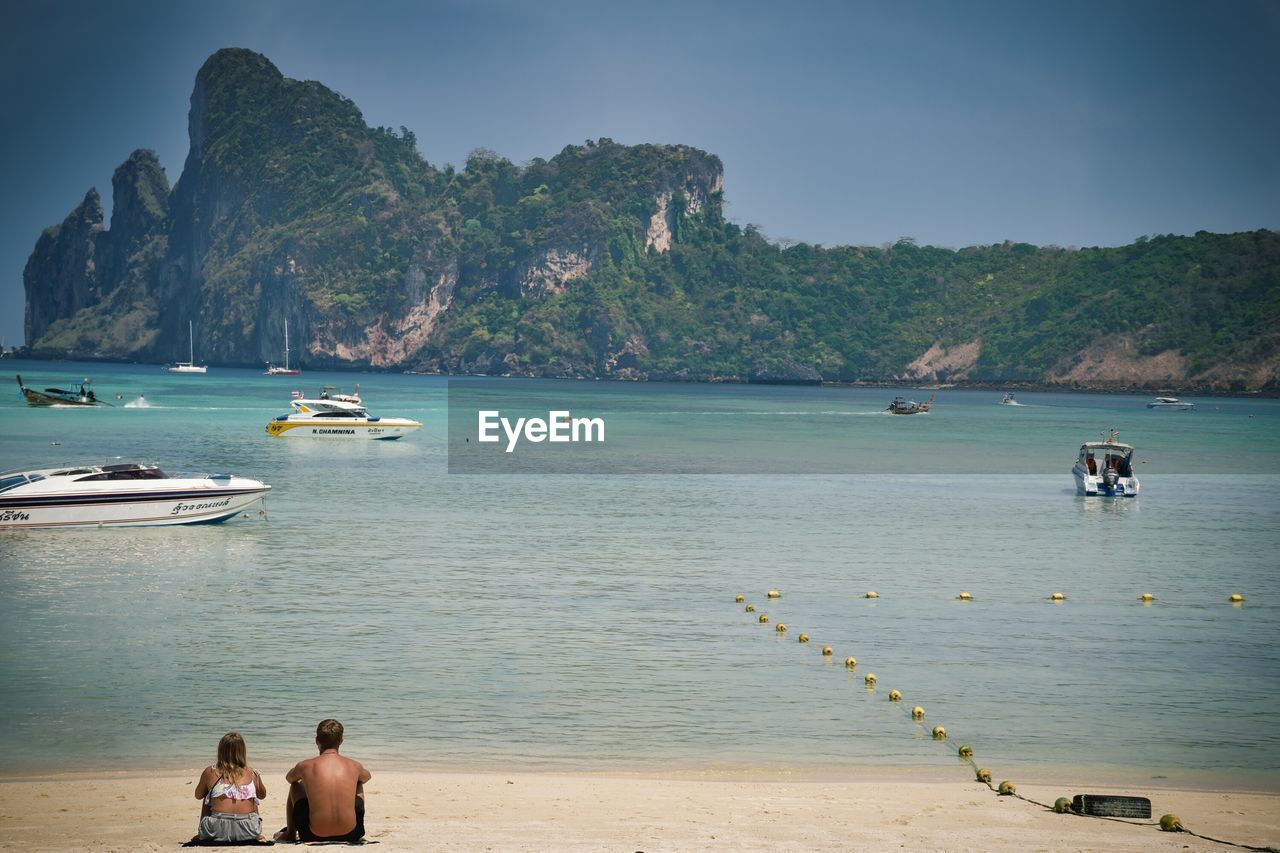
{"points": [[1106, 445]]}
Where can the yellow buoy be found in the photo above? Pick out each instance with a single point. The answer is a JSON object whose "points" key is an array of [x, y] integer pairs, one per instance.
{"points": [[1057, 596], [984, 775], [751, 608], [872, 595], [1007, 788], [804, 638], [870, 679], [781, 628], [1146, 596], [965, 596], [1170, 823], [773, 593], [826, 651], [965, 751], [1062, 805], [917, 713], [895, 696], [739, 598], [1236, 598], [764, 617], [939, 733], [850, 662]]}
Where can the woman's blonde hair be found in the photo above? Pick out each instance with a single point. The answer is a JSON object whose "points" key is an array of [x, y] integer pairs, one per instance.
{"points": [[232, 757]]}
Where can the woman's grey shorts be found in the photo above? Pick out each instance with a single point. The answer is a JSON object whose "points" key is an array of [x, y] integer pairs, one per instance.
{"points": [[218, 826]]}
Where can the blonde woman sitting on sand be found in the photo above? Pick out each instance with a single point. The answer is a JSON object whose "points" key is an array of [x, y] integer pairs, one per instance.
{"points": [[230, 790]]}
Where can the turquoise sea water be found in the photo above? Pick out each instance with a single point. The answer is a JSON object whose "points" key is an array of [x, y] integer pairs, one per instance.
{"points": [[588, 622]]}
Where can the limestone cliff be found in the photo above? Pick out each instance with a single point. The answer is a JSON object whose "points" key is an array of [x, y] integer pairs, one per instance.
{"points": [[61, 276], [606, 260]]}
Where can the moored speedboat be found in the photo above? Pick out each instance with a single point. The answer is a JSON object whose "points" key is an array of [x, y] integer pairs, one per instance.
{"points": [[334, 415], [1170, 403], [82, 395], [1105, 468], [127, 494], [903, 406]]}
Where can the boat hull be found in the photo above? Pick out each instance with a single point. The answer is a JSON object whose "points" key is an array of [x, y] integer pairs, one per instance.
{"points": [[140, 508], [383, 429], [56, 397], [35, 398], [1092, 485]]}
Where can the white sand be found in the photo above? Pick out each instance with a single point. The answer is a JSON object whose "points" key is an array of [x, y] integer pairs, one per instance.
{"points": [[547, 811]]}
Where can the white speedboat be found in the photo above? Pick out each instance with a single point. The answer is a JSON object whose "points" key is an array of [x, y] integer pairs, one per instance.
{"points": [[1105, 468], [1170, 403], [335, 415], [1008, 400], [190, 365], [127, 494]]}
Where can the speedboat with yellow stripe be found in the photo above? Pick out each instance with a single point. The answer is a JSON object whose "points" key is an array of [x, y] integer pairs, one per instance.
{"points": [[337, 416]]}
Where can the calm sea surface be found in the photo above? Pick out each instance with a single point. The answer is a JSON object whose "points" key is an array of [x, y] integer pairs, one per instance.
{"points": [[588, 622]]}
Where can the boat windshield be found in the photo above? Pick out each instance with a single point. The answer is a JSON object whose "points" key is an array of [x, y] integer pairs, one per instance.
{"points": [[18, 480], [125, 474]]}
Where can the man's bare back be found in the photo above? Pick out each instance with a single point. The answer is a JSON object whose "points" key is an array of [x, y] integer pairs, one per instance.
{"points": [[326, 793]]}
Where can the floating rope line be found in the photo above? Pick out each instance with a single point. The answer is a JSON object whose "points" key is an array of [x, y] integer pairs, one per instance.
{"points": [[1167, 823]]}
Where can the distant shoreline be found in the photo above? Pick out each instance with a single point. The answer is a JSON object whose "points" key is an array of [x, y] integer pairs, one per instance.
{"points": [[1134, 389]]}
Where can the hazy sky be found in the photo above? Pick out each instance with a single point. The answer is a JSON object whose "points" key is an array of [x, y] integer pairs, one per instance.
{"points": [[956, 123]]}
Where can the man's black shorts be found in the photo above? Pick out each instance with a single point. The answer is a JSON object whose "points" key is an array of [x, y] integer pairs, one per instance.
{"points": [[302, 820]]}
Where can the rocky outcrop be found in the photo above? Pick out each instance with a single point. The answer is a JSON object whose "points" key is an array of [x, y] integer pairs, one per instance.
{"points": [[553, 269], [784, 372], [61, 276], [1115, 364], [695, 194], [139, 215], [942, 364]]}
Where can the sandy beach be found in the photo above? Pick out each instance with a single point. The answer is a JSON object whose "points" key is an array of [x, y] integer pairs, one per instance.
{"points": [[547, 811]]}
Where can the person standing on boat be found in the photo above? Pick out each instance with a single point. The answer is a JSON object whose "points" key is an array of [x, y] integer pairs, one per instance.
{"points": [[326, 793]]}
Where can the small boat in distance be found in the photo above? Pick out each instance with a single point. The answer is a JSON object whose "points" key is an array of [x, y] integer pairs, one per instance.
{"points": [[1105, 468], [190, 365], [80, 396], [336, 415], [1170, 403], [1008, 400], [130, 494], [903, 406], [272, 370]]}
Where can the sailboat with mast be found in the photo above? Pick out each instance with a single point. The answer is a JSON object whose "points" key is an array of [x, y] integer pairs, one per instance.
{"points": [[273, 370], [189, 366]]}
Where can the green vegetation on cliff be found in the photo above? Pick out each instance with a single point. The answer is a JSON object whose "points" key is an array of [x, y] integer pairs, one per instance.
{"points": [[605, 260]]}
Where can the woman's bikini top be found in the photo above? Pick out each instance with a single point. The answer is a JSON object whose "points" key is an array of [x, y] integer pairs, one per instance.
{"points": [[233, 792]]}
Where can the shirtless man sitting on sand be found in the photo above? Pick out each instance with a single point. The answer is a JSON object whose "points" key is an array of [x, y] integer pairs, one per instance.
{"points": [[326, 793]]}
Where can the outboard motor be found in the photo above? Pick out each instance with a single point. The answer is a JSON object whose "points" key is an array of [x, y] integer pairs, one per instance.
{"points": [[1109, 478]]}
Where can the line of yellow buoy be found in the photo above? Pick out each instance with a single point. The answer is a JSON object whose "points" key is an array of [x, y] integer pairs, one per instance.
{"points": [[1146, 597], [1167, 823]]}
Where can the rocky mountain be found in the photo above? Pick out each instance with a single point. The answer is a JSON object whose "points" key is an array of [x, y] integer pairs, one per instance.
{"points": [[605, 260]]}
